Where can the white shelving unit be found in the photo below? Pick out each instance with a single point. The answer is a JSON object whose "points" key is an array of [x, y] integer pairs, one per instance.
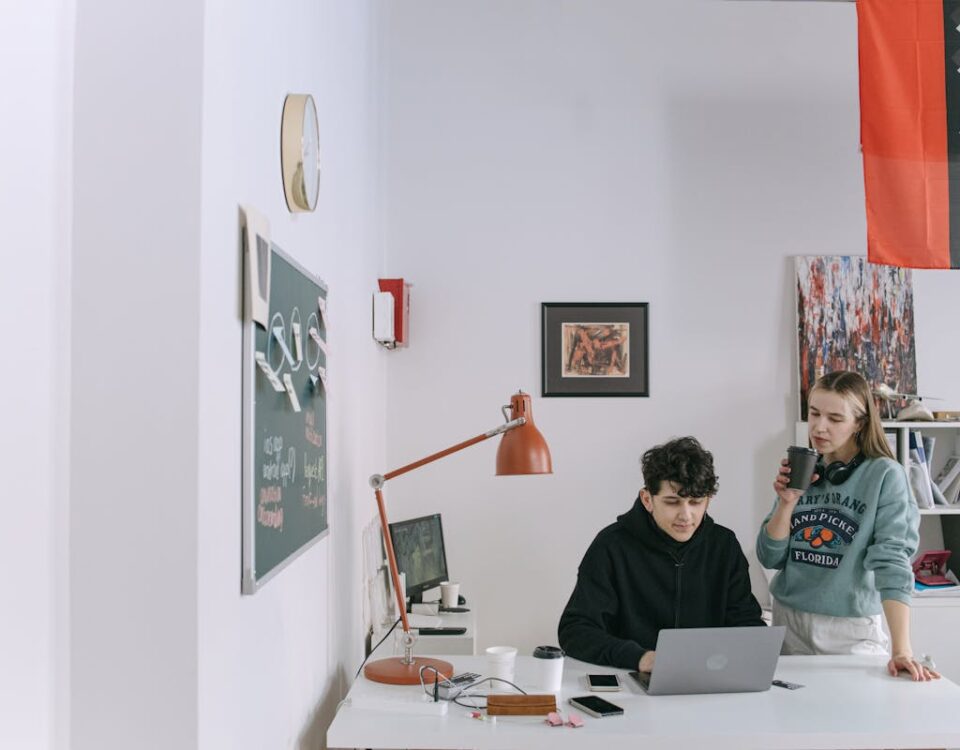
{"points": [[934, 619], [435, 645], [939, 527]]}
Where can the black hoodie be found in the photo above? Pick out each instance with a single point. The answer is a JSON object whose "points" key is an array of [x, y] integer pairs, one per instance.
{"points": [[635, 579]]}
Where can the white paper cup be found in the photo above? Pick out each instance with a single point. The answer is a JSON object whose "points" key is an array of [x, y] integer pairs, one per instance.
{"points": [[449, 593], [501, 661], [548, 666]]}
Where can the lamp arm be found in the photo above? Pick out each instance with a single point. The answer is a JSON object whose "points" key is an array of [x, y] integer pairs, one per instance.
{"points": [[377, 481], [392, 560]]}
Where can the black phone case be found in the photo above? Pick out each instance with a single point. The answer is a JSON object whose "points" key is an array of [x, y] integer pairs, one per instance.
{"points": [[603, 707]]}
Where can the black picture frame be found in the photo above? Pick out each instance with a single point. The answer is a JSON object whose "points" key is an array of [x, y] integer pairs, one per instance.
{"points": [[591, 349]]}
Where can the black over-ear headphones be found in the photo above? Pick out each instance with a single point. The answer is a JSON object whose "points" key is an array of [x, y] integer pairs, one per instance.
{"points": [[837, 472]]}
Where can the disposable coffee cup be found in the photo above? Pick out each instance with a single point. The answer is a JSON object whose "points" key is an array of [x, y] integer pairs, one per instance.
{"points": [[802, 463], [449, 593], [548, 666], [501, 661]]}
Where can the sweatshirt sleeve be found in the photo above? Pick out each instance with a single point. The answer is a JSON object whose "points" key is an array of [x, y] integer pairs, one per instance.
{"points": [[772, 553], [583, 631], [742, 606], [895, 538]]}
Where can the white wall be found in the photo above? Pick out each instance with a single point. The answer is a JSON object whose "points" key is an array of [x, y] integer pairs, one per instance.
{"points": [[134, 423], [126, 603], [272, 666], [676, 153], [35, 154]]}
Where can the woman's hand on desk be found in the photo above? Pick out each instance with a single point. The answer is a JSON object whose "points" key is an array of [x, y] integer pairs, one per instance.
{"points": [[919, 672], [646, 661]]}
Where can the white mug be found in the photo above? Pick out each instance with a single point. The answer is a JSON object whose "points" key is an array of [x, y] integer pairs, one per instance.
{"points": [[449, 594], [501, 661]]}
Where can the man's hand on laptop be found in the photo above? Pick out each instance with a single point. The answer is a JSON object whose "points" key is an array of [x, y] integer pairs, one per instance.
{"points": [[646, 661]]}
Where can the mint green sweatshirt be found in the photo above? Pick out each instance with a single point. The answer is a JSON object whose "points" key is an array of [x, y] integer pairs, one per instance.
{"points": [[849, 546]]}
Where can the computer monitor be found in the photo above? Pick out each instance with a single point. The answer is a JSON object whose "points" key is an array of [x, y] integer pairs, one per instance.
{"points": [[418, 547]]}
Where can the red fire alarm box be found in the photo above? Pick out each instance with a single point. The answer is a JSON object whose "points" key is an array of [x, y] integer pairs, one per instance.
{"points": [[401, 308]]}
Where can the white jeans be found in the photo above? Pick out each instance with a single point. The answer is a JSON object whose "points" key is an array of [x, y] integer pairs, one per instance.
{"points": [[809, 633]]}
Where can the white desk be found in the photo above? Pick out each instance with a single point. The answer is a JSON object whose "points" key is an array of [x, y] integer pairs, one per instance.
{"points": [[436, 645], [848, 702]]}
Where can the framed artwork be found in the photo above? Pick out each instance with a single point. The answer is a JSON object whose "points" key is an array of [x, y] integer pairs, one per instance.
{"points": [[594, 349], [855, 315]]}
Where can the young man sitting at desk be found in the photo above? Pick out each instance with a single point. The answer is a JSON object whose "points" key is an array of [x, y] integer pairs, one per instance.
{"points": [[663, 564]]}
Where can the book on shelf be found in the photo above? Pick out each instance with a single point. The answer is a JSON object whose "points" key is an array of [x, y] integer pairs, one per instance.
{"points": [[919, 467], [920, 481], [938, 497], [928, 443], [916, 444], [948, 480], [952, 492]]}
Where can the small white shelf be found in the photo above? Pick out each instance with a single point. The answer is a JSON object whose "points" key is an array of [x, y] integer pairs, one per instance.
{"points": [[891, 425]]}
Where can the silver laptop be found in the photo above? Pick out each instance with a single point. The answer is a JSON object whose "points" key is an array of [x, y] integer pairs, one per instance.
{"points": [[713, 660]]}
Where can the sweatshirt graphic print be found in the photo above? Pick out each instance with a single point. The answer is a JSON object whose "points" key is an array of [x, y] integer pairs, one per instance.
{"points": [[849, 545]]}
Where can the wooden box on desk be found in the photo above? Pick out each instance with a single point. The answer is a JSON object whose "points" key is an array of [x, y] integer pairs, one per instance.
{"points": [[520, 705]]}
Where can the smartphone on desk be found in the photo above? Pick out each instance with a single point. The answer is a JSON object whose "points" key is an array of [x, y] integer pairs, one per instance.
{"points": [[596, 706], [603, 682]]}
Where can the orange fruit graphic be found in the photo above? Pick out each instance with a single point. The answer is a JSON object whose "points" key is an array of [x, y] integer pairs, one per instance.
{"points": [[817, 536]]}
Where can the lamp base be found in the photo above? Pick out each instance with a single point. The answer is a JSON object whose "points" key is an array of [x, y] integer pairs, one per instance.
{"points": [[393, 671]]}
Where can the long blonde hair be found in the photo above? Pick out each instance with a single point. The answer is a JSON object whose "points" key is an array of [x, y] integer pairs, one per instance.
{"points": [[871, 440]]}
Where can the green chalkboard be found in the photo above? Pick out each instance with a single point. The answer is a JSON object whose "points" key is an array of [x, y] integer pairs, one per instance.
{"points": [[285, 449]]}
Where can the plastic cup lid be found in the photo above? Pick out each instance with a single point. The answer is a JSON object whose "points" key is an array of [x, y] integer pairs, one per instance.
{"points": [[548, 652]]}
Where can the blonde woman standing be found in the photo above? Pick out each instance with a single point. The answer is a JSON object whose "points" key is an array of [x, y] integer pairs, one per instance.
{"points": [[842, 547]]}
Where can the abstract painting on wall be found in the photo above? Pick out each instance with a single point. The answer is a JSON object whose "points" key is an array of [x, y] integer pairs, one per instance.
{"points": [[854, 315]]}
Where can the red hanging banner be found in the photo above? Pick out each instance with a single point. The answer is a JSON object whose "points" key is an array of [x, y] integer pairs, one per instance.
{"points": [[910, 130]]}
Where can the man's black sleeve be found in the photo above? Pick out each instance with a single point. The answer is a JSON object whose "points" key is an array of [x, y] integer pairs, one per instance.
{"points": [[742, 606], [584, 630]]}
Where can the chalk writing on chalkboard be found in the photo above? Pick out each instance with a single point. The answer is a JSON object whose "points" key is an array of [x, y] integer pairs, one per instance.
{"points": [[284, 423]]}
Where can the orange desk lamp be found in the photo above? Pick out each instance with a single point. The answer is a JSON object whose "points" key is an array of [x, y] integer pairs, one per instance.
{"points": [[522, 451]]}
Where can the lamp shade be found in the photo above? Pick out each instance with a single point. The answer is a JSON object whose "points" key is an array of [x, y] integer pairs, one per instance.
{"points": [[523, 450]]}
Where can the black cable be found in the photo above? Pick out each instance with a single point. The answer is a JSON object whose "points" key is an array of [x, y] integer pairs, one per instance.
{"points": [[465, 693], [376, 647]]}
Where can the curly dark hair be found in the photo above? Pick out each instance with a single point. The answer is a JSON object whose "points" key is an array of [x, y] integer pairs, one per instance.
{"points": [[682, 461]]}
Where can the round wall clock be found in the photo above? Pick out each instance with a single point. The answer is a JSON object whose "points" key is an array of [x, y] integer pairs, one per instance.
{"points": [[300, 152]]}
